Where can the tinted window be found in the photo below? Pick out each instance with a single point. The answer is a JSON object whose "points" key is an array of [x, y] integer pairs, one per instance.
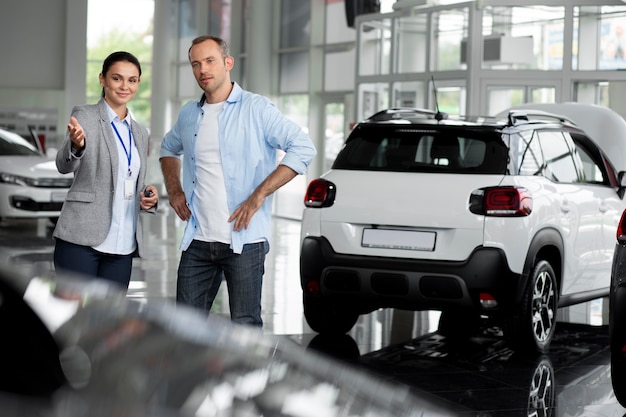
{"points": [[559, 163], [423, 150], [13, 144], [594, 166], [527, 158]]}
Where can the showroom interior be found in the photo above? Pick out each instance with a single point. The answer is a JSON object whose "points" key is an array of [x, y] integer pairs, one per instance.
{"points": [[327, 68]]}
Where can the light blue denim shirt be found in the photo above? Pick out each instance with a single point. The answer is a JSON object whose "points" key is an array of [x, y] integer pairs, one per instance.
{"points": [[251, 131]]}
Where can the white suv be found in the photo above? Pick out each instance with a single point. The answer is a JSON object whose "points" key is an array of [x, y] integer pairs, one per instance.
{"points": [[509, 218]]}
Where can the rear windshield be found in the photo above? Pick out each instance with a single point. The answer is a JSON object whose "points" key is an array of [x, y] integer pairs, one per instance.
{"points": [[406, 149]]}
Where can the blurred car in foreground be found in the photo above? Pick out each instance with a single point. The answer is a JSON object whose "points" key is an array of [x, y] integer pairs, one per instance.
{"points": [[30, 185], [76, 347]]}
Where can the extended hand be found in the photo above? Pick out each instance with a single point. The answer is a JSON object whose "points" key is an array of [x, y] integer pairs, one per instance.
{"points": [[77, 134]]}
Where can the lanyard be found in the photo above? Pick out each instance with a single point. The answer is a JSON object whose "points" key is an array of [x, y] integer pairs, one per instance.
{"points": [[129, 151]]}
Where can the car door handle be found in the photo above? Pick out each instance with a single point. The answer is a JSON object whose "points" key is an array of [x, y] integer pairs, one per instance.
{"points": [[565, 208], [603, 207]]}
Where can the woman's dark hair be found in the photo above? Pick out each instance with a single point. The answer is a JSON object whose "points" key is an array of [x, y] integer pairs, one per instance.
{"points": [[117, 57]]}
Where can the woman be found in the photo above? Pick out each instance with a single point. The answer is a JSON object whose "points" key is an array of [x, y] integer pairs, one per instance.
{"points": [[98, 231]]}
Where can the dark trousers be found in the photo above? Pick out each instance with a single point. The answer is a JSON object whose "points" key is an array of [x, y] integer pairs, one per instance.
{"points": [[87, 261], [200, 273]]}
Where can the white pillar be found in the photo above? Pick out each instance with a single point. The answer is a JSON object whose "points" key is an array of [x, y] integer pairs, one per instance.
{"points": [[163, 65], [260, 73], [75, 62]]}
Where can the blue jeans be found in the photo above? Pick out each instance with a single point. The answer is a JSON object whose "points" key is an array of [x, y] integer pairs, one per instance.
{"points": [[200, 273], [87, 261]]}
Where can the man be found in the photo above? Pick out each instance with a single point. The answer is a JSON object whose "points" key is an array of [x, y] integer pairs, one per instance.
{"points": [[229, 139]]}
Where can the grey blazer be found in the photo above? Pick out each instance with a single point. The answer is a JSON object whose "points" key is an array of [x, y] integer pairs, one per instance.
{"points": [[86, 214]]}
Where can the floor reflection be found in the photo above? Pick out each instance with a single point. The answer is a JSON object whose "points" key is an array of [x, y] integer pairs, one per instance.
{"points": [[485, 375]]}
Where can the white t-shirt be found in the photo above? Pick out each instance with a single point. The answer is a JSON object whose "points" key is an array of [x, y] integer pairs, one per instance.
{"points": [[210, 206]]}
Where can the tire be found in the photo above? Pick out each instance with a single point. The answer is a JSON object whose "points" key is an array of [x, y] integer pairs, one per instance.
{"points": [[618, 378], [328, 317], [341, 346], [458, 324], [532, 329], [617, 342]]}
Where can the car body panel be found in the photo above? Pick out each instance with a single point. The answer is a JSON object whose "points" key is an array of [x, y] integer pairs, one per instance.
{"points": [[458, 232]]}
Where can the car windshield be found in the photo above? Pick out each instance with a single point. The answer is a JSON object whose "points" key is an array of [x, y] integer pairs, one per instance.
{"points": [[437, 149], [12, 144]]}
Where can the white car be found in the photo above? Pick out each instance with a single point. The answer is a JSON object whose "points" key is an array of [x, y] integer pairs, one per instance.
{"points": [[30, 185], [509, 219]]}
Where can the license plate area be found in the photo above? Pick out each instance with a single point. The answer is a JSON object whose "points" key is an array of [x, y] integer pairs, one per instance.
{"points": [[398, 239]]}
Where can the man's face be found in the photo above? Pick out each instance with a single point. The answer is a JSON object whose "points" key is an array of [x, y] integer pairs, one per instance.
{"points": [[210, 67]]}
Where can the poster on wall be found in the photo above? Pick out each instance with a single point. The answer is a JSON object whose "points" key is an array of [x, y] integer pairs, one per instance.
{"points": [[613, 44]]}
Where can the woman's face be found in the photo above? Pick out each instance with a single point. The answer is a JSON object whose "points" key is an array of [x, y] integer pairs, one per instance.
{"points": [[120, 83]]}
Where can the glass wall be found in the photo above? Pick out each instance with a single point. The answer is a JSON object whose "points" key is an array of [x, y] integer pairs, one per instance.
{"points": [[219, 18], [528, 37], [339, 52], [409, 94], [375, 47], [450, 31], [411, 43], [294, 22], [107, 31], [372, 98], [486, 59], [599, 38], [187, 88]]}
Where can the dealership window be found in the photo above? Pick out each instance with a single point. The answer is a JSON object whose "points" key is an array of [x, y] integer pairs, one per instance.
{"points": [[375, 47], [412, 43], [599, 38], [295, 23], [450, 30], [409, 94], [108, 31], [528, 37], [373, 97]]}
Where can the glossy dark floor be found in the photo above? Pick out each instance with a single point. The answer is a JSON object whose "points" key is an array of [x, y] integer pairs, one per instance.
{"points": [[477, 377]]}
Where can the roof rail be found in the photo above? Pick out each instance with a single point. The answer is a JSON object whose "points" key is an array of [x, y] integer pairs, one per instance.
{"points": [[400, 112], [529, 115]]}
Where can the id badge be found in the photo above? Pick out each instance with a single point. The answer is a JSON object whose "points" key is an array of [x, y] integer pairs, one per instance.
{"points": [[129, 189]]}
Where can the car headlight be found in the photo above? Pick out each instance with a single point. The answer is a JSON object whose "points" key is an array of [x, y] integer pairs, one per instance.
{"points": [[7, 178], [13, 179]]}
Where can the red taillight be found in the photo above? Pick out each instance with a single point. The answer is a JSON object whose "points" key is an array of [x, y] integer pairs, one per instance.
{"points": [[621, 229], [501, 202], [487, 300], [313, 287], [320, 193]]}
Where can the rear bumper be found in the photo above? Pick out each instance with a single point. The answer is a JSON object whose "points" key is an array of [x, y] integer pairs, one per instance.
{"points": [[368, 283]]}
